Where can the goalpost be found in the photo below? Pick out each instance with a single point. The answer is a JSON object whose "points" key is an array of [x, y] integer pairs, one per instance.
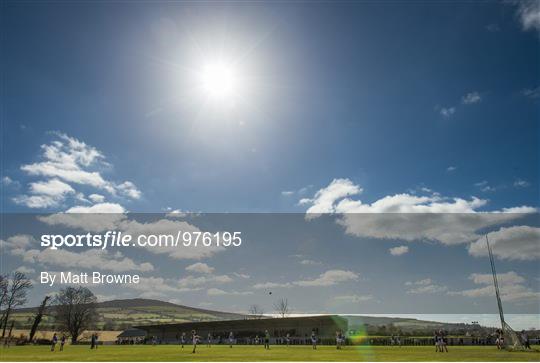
{"points": [[511, 339]]}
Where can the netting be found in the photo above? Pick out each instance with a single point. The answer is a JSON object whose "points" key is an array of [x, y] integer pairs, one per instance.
{"points": [[512, 340]]}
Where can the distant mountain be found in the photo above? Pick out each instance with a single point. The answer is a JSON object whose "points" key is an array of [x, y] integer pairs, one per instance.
{"points": [[125, 313], [121, 314]]}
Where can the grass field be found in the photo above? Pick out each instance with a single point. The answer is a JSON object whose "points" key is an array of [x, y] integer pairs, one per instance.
{"points": [[257, 353]]}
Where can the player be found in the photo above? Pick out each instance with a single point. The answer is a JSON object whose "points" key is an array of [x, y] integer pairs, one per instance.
{"points": [[231, 339], [257, 340], [183, 339], [288, 339], [209, 340], [313, 339], [266, 339], [525, 339], [437, 341], [500, 339], [54, 340], [444, 341], [195, 340], [62, 342], [339, 339]]}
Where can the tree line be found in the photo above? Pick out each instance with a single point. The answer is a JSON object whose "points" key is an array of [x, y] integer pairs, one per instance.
{"points": [[74, 309]]}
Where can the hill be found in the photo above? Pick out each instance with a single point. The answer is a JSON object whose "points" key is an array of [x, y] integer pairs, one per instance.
{"points": [[120, 314]]}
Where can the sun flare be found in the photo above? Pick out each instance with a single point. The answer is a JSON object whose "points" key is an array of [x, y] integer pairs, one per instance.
{"points": [[220, 81]]}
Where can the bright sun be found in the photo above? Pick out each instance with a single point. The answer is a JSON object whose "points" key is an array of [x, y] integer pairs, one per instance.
{"points": [[220, 81]]}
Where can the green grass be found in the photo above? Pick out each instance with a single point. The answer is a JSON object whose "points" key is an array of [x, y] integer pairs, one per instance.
{"points": [[257, 353]]}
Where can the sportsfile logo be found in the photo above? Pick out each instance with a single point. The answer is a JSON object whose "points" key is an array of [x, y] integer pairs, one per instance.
{"points": [[121, 239]]}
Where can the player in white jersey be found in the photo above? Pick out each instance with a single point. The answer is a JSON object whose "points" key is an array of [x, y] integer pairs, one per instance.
{"points": [[195, 340], [231, 339], [313, 339]]}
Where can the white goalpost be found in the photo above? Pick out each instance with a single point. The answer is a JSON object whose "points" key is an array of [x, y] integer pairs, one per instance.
{"points": [[511, 338]]}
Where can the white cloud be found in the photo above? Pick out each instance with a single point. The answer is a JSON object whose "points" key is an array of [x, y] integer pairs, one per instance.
{"points": [[328, 278], [451, 168], [511, 243], [447, 112], [219, 292], [428, 289], [244, 276], [98, 208], [159, 287], [25, 247], [88, 259], [301, 191], [503, 279], [99, 221], [309, 262], [324, 199], [423, 282], [129, 189], [485, 187], [25, 270], [353, 298], [410, 217], [510, 286], [272, 285], [96, 198], [197, 281], [200, 267], [52, 187], [531, 92], [16, 245], [471, 98], [97, 218], [66, 162], [35, 201], [528, 12], [171, 227], [520, 183], [7, 181], [176, 213], [425, 286], [398, 251], [45, 194]]}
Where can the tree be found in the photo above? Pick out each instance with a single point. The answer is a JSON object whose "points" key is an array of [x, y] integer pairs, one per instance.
{"points": [[75, 310], [3, 297], [37, 319], [16, 289], [282, 307], [256, 312]]}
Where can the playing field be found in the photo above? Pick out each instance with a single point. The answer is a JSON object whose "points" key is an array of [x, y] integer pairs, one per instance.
{"points": [[257, 353]]}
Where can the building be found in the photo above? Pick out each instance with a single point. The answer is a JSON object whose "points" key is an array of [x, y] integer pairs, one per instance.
{"points": [[131, 336], [245, 331]]}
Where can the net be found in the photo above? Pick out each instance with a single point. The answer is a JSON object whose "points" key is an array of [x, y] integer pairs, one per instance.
{"points": [[512, 341]]}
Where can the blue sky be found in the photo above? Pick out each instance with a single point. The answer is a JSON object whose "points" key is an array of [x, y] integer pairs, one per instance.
{"points": [[337, 107]]}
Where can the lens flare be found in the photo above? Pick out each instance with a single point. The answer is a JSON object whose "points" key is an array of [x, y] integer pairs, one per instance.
{"points": [[358, 339]]}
